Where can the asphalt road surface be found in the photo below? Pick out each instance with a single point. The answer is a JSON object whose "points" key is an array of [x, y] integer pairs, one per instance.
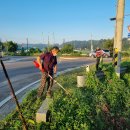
{"points": [[22, 71]]}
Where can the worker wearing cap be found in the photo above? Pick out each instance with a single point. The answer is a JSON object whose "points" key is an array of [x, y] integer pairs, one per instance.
{"points": [[48, 63]]}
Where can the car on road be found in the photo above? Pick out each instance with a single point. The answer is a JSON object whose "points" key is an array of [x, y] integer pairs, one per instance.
{"points": [[106, 54]]}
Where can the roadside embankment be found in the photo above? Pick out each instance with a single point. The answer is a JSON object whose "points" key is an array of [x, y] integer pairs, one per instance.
{"points": [[100, 104]]}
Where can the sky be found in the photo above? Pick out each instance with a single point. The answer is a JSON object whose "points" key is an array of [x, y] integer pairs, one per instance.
{"points": [[58, 19]]}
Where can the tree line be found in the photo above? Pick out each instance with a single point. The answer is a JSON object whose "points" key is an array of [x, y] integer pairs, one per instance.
{"points": [[67, 47], [102, 43], [10, 47]]}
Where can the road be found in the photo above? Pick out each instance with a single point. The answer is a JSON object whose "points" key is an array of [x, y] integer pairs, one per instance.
{"points": [[22, 72]]}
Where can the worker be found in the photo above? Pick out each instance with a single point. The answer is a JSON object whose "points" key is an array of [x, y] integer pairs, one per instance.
{"points": [[99, 57], [48, 63]]}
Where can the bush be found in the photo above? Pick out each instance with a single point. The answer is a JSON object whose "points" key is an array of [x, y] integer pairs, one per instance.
{"points": [[101, 105], [125, 54]]}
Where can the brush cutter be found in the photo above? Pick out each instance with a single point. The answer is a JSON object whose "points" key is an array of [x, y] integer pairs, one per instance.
{"points": [[36, 64]]}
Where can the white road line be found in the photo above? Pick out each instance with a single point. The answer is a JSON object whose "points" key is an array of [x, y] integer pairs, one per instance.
{"points": [[19, 59], [19, 91], [69, 58], [22, 89], [17, 78]]}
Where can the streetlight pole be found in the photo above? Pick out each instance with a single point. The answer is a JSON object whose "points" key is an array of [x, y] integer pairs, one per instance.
{"points": [[119, 32], [48, 44], [91, 44], [42, 38], [53, 38], [27, 45]]}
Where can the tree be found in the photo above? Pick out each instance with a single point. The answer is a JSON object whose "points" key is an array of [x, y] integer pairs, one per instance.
{"points": [[67, 48], [1, 46], [37, 50], [46, 49], [10, 46], [32, 50], [108, 44]]}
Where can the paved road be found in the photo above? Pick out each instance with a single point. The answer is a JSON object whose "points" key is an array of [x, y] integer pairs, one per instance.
{"points": [[22, 72]]}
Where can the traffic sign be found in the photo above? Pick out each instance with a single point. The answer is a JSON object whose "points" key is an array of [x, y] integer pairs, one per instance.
{"points": [[128, 35]]}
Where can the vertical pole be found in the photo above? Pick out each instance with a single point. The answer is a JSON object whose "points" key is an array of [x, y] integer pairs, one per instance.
{"points": [[91, 44], [14, 96], [119, 32], [43, 40], [48, 43], [63, 41], [27, 44], [53, 38], [115, 27]]}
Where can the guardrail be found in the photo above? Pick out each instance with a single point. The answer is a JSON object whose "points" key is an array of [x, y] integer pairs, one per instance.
{"points": [[100, 74], [123, 69]]}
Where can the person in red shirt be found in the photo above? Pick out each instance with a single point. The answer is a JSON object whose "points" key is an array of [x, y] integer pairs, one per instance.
{"points": [[48, 63], [99, 54]]}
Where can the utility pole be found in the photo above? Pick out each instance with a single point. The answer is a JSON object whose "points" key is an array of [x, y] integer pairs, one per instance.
{"points": [[91, 44], [27, 44], [42, 38], [119, 32], [53, 37], [63, 41], [48, 44]]}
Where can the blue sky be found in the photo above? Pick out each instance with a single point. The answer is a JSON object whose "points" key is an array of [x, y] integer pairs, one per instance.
{"points": [[60, 19]]}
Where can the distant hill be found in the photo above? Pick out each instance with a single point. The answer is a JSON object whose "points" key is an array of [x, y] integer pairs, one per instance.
{"points": [[85, 44], [96, 43], [78, 44]]}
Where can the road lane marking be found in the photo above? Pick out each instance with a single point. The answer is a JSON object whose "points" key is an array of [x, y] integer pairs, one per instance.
{"points": [[16, 93], [17, 78]]}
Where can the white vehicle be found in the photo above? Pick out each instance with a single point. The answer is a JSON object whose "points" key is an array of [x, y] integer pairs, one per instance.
{"points": [[106, 54]]}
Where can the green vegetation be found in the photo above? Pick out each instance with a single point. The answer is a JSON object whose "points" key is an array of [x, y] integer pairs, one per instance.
{"points": [[100, 43], [9, 47], [103, 104], [29, 107], [67, 48], [126, 53]]}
